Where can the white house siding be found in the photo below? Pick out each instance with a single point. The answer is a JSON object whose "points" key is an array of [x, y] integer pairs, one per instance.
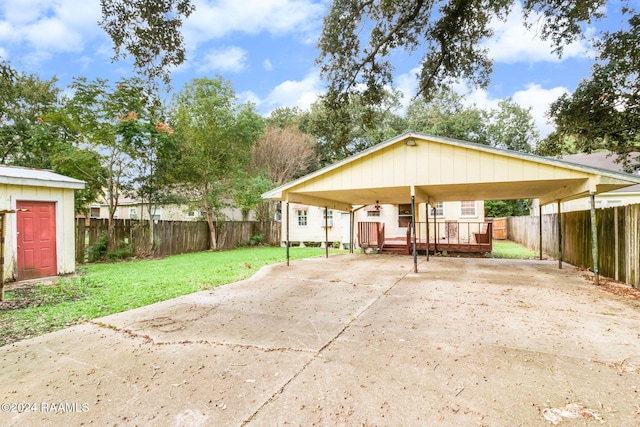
{"points": [[173, 212], [314, 231]]}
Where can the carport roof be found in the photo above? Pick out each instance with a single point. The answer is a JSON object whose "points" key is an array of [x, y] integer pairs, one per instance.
{"points": [[442, 169]]}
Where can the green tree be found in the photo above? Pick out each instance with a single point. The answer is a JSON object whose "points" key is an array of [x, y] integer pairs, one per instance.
{"points": [[215, 137], [512, 127], [24, 99], [345, 129], [604, 110], [91, 118], [150, 141], [502, 208], [446, 115], [360, 37], [149, 31]]}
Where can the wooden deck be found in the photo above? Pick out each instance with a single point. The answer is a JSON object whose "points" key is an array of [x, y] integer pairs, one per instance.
{"points": [[399, 245], [479, 241]]}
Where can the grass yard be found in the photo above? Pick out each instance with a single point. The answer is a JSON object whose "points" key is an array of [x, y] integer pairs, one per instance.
{"points": [[103, 289], [512, 250]]}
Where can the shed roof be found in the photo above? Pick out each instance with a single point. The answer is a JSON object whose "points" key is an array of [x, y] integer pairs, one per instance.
{"points": [[37, 177], [442, 169], [603, 160]]}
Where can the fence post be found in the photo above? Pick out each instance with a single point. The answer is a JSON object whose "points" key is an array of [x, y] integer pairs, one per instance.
{"points": [[540, 213], [594, 238], [559, 235]]}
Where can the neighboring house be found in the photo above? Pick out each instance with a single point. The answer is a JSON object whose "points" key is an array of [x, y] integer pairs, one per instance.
{"points": [[602, 160], [38, 207], [135, 209], [307, 223]]}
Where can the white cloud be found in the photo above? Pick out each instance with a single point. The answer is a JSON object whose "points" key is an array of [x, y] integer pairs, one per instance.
{"points": [[47, 27], [267, 65], [231, 59], [534, 96], [539, 99], [214, 20], [512, 42], [290, 93]]}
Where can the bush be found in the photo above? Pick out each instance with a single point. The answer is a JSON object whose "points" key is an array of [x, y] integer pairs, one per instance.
{"points": [[97, 251], [256, 239]]}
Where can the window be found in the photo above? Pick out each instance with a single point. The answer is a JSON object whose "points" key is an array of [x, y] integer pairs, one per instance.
{"points": [[302, 218], [468, 208], [329, 218], [133, 213], [439, 209], [404, 215], [192, 214], [157, 213], [373, 214], [95, 212]]}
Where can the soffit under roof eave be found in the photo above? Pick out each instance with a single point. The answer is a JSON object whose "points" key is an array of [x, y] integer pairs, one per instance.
{"points": [[317, 201]]}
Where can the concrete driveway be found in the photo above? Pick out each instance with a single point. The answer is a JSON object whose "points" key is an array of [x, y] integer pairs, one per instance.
{"points": [[350, 340]]}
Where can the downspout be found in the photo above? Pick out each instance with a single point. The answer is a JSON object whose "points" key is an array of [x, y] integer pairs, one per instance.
{"points": [[594, 239]]}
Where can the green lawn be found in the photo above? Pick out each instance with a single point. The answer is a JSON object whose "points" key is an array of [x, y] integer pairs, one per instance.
{"points": [[103, 289], [512, 250]]}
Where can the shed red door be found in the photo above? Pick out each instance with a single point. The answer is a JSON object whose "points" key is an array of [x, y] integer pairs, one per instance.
{"points": [[36, 240]]}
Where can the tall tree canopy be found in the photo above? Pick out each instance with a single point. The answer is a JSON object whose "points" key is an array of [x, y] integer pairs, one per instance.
{"points": [[604, 110], [149, 31], [215, 137], [360, 36]]}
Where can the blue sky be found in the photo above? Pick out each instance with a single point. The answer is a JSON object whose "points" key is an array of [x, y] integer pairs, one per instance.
{"points": [[267, 48]]}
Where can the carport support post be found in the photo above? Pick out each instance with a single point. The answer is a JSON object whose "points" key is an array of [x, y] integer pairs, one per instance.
{"points": [[413, 225], [326, 232], [540, 216], [352, 216], [559, 235], [594, 239], [287, 242], [426, 215]]}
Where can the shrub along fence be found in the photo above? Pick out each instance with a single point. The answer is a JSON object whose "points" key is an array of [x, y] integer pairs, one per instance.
{"points": [[618, 239], [171, 237]]}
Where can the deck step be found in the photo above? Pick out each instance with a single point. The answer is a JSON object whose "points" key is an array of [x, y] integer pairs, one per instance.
{"points": [[394, 249]]}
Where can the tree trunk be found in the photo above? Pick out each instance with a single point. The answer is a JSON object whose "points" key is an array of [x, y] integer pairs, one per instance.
{"points": [[208, 213]]}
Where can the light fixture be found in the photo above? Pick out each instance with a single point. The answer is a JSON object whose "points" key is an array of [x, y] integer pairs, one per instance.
{"points": [[377, 206], [410, 142]]}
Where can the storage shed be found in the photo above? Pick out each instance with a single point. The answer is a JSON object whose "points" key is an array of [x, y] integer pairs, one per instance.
{"points": [[37, 211]]}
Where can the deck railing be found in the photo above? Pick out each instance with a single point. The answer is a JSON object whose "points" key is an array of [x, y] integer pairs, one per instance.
{"points": [[371, 235]]}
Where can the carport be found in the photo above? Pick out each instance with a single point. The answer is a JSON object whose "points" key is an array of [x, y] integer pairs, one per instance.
{"points": [[420, 168]]}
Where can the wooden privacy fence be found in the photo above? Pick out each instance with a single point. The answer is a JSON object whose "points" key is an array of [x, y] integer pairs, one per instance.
{"points": [[173, 237], [618, 239]]}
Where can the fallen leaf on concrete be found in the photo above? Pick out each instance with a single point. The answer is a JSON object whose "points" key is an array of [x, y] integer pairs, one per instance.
{"points": [[572, 410]]}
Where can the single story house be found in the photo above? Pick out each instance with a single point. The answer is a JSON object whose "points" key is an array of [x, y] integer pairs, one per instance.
{"points": [[38, 212], [454, 220]]}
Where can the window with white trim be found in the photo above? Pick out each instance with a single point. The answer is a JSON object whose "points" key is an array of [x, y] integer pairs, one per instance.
{"points": [[439, 209], [133, 213], [468, 208], [328, 219], [302, 218]]}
